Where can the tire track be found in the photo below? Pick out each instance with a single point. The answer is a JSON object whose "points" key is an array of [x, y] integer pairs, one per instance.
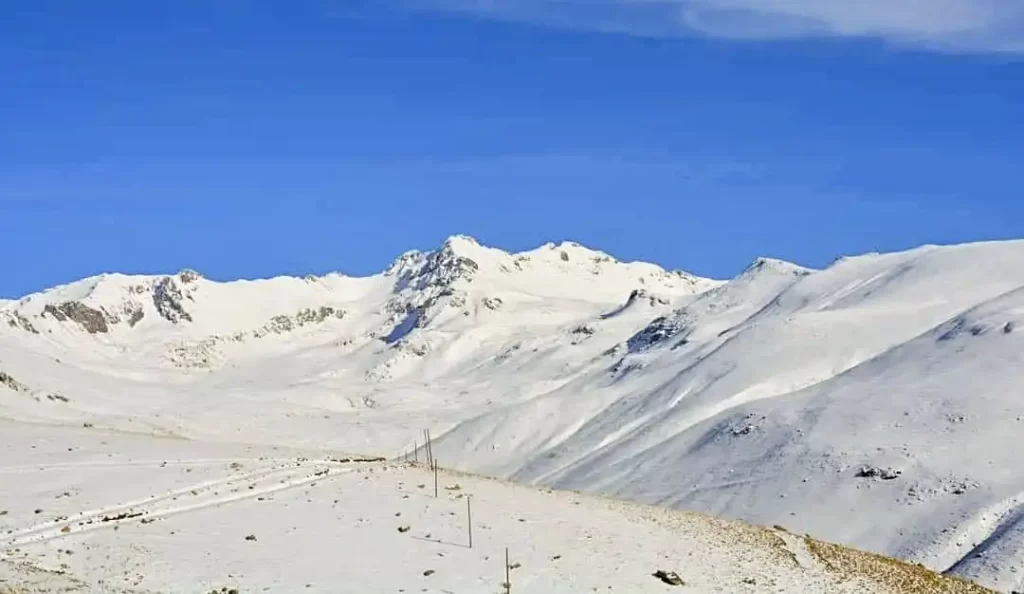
{"points": [[136, 464], [63, 530], [144, 508]]}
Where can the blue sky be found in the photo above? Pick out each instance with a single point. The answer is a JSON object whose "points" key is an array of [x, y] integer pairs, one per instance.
{"points": [[249, 139]]}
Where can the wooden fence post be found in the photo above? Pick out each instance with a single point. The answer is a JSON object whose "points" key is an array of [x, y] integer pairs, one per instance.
{"points": [[430, 448]]}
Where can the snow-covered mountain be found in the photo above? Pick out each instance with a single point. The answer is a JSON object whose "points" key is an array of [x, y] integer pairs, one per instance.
{"points": [[102, 511], [873, 403]]}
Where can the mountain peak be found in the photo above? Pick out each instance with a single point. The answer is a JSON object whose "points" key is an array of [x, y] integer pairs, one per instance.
{"points": [[187, 276], [572, 251], [457, 258], [773, 265], [460, 242], [455, 246]]}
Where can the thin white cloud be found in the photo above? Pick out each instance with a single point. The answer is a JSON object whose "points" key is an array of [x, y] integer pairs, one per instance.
{"points": [[945, 25]]}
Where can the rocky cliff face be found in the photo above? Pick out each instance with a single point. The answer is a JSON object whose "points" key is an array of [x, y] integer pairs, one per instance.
{"points": [[168, 300], [93, 321]]}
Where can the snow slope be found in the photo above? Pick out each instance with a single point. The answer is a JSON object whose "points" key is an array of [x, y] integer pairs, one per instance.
{"points": [[872, 403], [103, 511]]}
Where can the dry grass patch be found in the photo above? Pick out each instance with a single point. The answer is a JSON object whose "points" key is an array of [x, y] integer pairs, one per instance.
{"points": [[895, 575], [760, 539]]}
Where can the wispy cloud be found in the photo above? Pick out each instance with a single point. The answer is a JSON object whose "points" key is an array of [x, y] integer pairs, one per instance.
{"points": [[941, 25]]}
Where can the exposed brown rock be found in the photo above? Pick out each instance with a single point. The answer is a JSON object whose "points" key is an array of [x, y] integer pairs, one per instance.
{"points": [[91, 320]]}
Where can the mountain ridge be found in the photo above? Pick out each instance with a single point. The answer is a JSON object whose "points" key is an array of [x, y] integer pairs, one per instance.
{"points": [[455, 246]]}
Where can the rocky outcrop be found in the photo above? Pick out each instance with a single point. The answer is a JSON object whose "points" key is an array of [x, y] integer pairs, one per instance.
{"points": [[411, 310], [886, 474], [282, 324], [445, 267], [750, 423], [673, 327], [16, 320], [93, 321], [441, 268], [642, 295], [128, 310], [581, 333], [135, 317], [10, 382], [206, 353], [316, 316], [167, 298], [637, 298]]}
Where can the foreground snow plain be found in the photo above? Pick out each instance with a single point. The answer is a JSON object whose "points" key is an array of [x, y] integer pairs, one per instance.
{"points": [[98, 511], [874, 403]]}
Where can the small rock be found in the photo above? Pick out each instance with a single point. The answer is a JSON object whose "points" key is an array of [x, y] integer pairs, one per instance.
{"points": [[669, 577], [886, 474], [403, 529], [251, 538], [428, 572]]}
